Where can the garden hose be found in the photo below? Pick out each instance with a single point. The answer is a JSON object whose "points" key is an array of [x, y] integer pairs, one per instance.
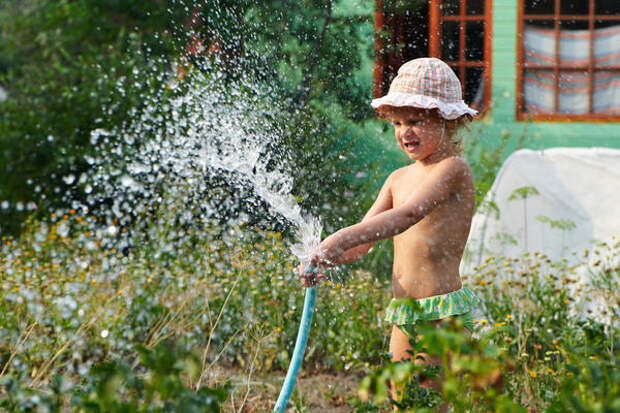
{"points": [[300, 346]]}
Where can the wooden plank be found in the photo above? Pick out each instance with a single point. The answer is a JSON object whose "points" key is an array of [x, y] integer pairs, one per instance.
{"points": [[556, 69], [488, 53], [462, 46], [469, 18], [468, 63], [591, 59], [569, 67], [434, 29], [565, 117], [379, 50], [571, 16], [519, 85]]}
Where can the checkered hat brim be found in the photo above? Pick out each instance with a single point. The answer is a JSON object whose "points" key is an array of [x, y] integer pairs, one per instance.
{"points": [[426, 83]]}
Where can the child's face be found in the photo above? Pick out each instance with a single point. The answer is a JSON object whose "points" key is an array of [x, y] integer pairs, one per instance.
{"points": [[418, 131]]}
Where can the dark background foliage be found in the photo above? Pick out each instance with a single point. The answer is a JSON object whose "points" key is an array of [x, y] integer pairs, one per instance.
{"points": [[68, 68], [73, 66]]}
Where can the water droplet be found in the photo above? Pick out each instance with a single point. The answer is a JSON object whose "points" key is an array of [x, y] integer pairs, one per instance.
{"points": [[69, 179]]}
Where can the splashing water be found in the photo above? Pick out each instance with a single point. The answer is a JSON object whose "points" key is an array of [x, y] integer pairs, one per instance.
{"points": [[200, 154], [178, 146]]}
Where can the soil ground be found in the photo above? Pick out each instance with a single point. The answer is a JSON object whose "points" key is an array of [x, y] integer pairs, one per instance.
{"points": [[320, 392]]}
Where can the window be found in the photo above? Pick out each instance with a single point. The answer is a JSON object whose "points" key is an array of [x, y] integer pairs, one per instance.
{"points": [[568, 60], [462, 38], [456, 31]]}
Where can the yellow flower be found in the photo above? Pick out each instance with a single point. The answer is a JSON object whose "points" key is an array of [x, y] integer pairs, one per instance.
{"points": [[549, 371], [278, 329], [509, 316], [501, 323], [532, 374], [484, 321]]}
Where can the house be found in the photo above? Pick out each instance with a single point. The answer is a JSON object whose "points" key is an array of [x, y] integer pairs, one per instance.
{"points": [[546, 69]]}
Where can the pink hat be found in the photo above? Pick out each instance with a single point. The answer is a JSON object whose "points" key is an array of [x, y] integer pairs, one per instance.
{"points": [[426, 83]]}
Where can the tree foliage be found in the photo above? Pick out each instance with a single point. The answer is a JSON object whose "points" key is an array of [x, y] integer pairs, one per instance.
{"points": [[73, 66], [68, 67]]}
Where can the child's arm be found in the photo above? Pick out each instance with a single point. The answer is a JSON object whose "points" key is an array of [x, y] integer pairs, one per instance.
{"points": [[437, 186], [382, 203]]}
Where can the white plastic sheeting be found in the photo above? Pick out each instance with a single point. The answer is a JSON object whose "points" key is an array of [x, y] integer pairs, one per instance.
{"points": [[558, 201]]}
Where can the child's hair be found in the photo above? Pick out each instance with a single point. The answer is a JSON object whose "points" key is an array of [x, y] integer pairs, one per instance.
{"points": [[453, 127]]}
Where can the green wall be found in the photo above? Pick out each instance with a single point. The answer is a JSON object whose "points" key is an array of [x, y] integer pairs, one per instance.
{"points": [[501, 118]]}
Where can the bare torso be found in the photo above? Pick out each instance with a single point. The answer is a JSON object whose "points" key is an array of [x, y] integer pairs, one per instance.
{"points": [[427, 255]]}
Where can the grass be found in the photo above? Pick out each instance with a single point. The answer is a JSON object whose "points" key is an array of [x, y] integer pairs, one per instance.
{"points": [[69, 306]]}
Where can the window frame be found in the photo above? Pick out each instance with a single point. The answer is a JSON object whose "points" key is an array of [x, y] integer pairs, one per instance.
{"points": [[435, 18], [557, 17], [434, 47]]}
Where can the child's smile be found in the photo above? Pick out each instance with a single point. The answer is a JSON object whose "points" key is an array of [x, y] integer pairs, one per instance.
{"points": [[411, 145], [418, 131]]}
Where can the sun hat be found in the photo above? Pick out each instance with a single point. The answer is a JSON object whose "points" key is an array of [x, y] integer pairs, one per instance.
{"points": [[426, 83]]}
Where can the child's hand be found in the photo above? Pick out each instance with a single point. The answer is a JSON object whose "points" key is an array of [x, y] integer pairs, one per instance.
{"points": [[310, 279], [326, 255]]}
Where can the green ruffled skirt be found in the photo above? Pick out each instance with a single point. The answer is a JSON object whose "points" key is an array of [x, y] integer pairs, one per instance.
{"points": [[405, 312]]}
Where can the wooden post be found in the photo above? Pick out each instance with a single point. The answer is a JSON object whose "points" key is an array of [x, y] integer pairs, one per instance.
{"points": [[591, 58], [379, 50], [434, 28], [488, 52], [556, 67]]}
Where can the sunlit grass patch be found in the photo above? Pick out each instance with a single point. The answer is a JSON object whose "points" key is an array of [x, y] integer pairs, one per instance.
{"points": [[69, 304]]}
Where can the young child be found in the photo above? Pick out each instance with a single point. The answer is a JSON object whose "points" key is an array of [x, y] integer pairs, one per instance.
{"points": [[426, 206]]}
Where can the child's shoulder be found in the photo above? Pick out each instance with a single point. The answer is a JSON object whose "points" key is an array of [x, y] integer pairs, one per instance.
{"points": [[454, 163], [397, 173], [453, 169], [457, 162]]}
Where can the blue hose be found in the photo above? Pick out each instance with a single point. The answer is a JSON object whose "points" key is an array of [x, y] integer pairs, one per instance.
{"points": [[300, 346]]}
